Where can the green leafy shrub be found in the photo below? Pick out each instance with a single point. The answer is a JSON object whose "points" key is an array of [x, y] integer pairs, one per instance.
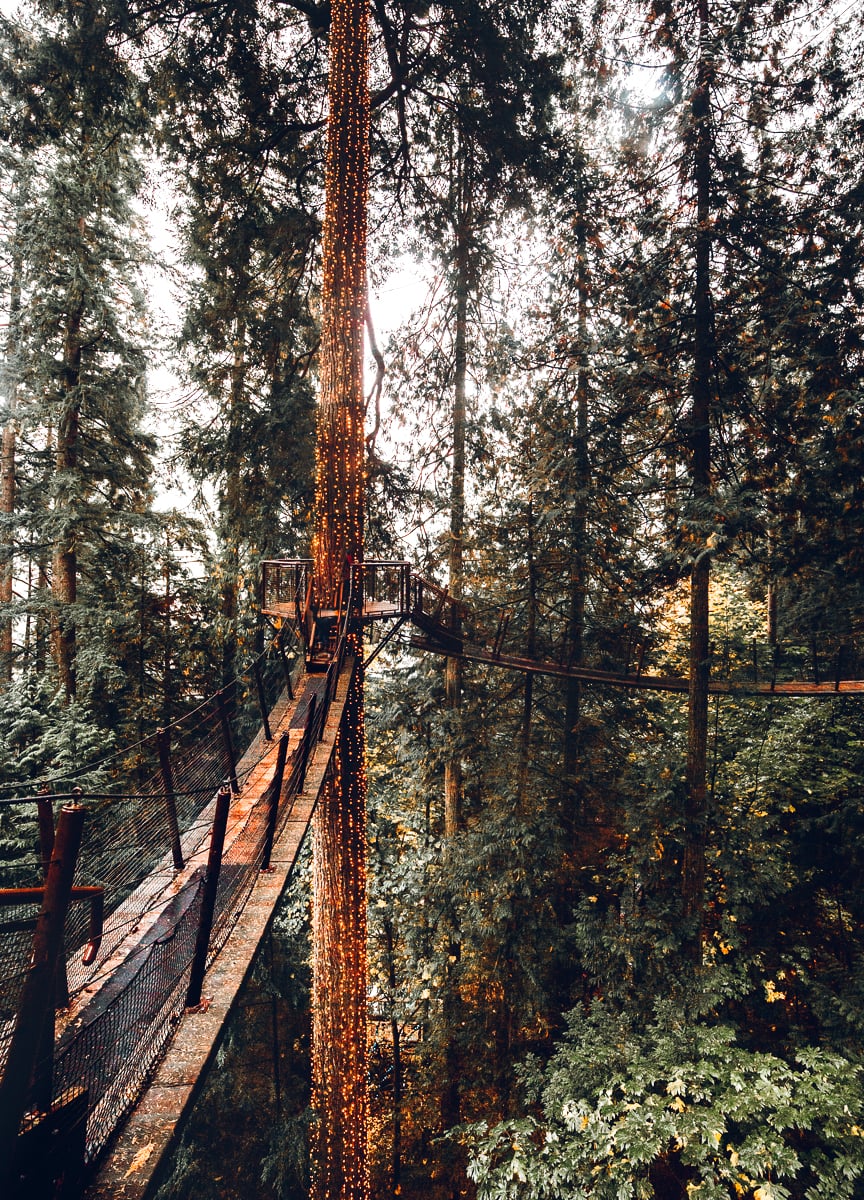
{"points": [[675, 1109]]}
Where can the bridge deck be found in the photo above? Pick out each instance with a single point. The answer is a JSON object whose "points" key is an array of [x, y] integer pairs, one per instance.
{"points": [[125, 928], [373, 610], [446, 625], [654, 683], [131, 1169]]}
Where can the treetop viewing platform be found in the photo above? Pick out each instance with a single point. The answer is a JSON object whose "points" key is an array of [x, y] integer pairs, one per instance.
{"points": [[631, 656]]}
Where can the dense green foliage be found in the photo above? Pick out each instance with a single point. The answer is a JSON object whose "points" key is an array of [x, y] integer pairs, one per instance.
{"points": [[678, 1106], [541, 977]]}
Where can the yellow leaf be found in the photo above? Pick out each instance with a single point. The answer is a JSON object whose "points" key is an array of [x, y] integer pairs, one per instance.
{"points": [[140, 1158]]}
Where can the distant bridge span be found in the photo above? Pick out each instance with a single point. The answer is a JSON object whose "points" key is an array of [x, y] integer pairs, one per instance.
{"points": [[395, 592]]}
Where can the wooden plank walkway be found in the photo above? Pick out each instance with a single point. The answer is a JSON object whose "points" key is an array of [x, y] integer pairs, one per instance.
{"points": [[132, 1168], [126, 927]]}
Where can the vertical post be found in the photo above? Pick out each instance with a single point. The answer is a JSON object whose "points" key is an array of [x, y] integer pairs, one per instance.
{"points": [[262, 701], [838, 669], [60, 998], [286, 670], [227, 741], [36, 1005], [275, 795], [328, 694], [306, 742], [45, 816], [163, 743], [61, 979], [640, 664], [208, 899]]}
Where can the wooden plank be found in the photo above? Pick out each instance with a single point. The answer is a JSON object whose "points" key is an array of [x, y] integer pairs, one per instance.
{"points": [[140, 1153], [374, 610]]}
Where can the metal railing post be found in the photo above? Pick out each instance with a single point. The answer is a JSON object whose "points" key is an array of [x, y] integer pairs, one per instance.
{"points": [[275, 796], [227, 740], [815, 652], [286, 670], [262, 702], [36, 1004], [45, 817], [163, 744], [838, 669], [640, 664], [208, 898], [305, 743]]}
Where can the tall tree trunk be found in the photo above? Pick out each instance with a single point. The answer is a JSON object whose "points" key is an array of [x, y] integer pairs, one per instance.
{"points": [[695, 813], [167, 681], [7, 465], [43, 620], [232, 503], [578, 526], [396, 1039], [453, 667], [530, 645], [452, 999], [339, 1081], [43, 627], [64, 576]]}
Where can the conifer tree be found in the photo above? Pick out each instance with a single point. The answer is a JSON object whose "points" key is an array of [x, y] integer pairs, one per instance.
{"points": [[81, 350], [249, 238]]}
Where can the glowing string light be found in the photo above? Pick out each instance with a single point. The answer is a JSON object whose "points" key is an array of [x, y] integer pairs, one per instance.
{"points": [[340, 1170]]}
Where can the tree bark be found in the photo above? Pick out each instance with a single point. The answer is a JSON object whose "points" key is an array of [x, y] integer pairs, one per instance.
{"points": [[43, 625], [339, 1166], [462, 196], [578, 525], [462, 199], [530, 646], [695, 813], [232, 503], [64, 576], [396, 1038], [340, 448], [7, 464], [339, 1081], [453, 667]]}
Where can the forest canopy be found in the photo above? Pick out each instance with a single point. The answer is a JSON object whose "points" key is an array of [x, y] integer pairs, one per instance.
{"points": [[616, 942]]}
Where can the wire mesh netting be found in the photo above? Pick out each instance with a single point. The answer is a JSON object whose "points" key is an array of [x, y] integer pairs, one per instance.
{"points": [[113, 1052], [113, 1045]]}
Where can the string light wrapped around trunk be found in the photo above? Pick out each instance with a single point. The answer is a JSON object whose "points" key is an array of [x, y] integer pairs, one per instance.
{"points": [[339, 1168]]}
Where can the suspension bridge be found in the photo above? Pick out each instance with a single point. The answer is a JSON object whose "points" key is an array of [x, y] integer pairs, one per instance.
{"points": [[152, 903]]}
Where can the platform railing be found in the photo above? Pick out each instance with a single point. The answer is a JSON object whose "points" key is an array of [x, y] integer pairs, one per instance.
{"points": [[288, 584]]}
